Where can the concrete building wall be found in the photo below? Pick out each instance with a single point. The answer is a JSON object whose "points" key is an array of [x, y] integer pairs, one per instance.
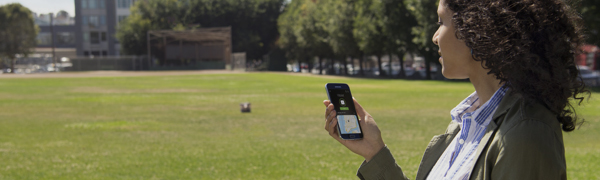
{"points": [[97, 22]]}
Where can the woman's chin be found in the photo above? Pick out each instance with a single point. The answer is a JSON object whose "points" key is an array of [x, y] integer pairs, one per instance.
{"points": [[449, 75]]}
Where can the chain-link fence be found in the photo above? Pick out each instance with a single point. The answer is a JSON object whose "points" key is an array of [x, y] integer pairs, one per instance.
{"points": [[238, 61], [122, 63]]}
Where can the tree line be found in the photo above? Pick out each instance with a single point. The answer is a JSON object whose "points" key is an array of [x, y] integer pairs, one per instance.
{"points": [[253, 22], [333, 30], [338, 30], [352, 29]]}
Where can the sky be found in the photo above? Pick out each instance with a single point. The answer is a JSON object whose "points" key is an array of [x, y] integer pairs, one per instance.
{"points": [[45, 6]]}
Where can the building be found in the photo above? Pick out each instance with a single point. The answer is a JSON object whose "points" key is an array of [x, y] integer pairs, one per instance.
{"points": [[63, 27], [62, 18], [96, 22], [62, 32]]}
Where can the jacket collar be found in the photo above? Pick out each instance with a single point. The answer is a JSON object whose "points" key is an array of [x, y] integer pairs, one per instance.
{"points": [[507, 102], [434, 151], [505, 105]]}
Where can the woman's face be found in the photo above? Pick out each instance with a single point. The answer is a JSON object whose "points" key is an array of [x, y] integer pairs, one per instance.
{"points": [[455, 56]]}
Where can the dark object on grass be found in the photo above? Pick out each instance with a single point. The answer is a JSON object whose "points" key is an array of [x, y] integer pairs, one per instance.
{"points": [[245, 107]]}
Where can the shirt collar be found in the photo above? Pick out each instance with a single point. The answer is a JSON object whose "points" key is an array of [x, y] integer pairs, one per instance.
{"points": [[469, 107]]}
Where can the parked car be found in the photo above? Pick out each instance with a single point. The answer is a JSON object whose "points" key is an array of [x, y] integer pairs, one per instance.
{"points": [[395, 69], [590, 78]]}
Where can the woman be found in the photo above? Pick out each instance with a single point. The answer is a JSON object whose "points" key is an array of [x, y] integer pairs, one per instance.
{"points": [[519, 56]]}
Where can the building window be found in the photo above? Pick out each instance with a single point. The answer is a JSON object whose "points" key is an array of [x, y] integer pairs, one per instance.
{"points": [[101, 4], [92, 4], [104, 53], [102, 20], [85, 21], [44, 39], [93, 21], [94, 37], [103, 36], [86, 53], [86, 37], [95, 53], [124, 3], [65, 38]]}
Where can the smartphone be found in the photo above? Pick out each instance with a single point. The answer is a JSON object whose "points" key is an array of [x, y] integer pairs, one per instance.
{"points": [[341, 98]]}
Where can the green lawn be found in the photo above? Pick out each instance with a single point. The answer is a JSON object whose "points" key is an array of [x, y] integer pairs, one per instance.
{"points": [[190, 127]]}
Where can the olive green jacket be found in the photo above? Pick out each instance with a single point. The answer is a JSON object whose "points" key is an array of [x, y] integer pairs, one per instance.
{"points": [[523, 141]]}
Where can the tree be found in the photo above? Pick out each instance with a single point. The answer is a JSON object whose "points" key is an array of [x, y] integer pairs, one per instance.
{"points": [[590, 12], [425, 11], [253, 22], [303, 31], [312, 34], [146, 16], [338, 17], [289, 29], [369, 29], [17, 31], [398, 22]]}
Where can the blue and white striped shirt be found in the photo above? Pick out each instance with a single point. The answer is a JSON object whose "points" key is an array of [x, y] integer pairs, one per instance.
{"points": [[459, 157]]}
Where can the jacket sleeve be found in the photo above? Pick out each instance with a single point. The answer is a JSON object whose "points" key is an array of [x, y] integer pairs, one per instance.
{"points": [[530, 150], [382, 166]]}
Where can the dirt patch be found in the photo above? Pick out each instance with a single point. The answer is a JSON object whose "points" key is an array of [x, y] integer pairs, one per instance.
{"points": [[115, 74]]}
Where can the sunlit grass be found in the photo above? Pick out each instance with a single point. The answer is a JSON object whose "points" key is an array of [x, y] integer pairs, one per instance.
{"points": [[190, 127]]}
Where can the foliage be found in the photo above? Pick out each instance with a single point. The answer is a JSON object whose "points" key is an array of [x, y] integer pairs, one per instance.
{"points": [[338, 18], [398, 22], [287, 27], [425, 12], [304, 32], [369, 29], [590, 12], [17, 31], [253, 22], [346, 28], [131, 33], [376, 27]]}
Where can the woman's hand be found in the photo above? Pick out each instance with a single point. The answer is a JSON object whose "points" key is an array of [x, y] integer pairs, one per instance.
{"points": [[371, 142]]}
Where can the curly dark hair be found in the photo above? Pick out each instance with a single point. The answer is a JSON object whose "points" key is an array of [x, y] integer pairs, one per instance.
{"points": [[528, 44]]}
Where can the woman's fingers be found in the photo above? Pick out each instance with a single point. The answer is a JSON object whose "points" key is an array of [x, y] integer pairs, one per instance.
{"points": [[330, 118], [327, 108], [333, 128], [326, 102], [328, 111]]}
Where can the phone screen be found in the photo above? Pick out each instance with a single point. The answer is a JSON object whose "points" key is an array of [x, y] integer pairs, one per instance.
{"points": [[346, 113]]}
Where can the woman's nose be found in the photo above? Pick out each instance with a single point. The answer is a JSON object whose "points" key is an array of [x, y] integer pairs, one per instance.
{"points": [[435, 37]]}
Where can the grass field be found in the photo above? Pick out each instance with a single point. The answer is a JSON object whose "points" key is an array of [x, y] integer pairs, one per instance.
{"points": [[190, 127]]}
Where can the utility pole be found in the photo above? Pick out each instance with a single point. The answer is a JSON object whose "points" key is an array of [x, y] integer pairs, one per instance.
{"points": [[52, 37]]}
